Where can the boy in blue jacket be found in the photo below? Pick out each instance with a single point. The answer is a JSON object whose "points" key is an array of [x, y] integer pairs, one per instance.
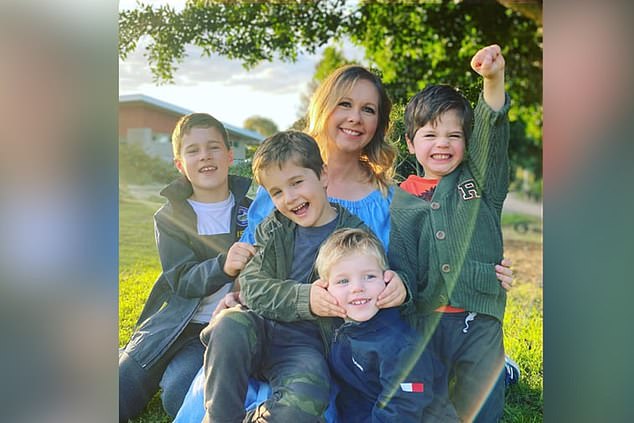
{"points": [[376, 358], [196, 233]]}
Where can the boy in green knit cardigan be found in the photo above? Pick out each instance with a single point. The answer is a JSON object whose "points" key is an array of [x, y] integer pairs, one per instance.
{"points": [[461, 304]]}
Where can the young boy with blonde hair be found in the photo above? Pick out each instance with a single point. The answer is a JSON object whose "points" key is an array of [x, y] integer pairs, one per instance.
{"points": [[375, 356]]}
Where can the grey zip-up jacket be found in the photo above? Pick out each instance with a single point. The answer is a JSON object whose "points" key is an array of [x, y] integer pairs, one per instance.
{"points": [[192, 267]]}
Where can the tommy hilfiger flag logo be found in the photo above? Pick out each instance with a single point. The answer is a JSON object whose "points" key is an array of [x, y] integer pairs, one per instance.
{"points": [[413, 387]]}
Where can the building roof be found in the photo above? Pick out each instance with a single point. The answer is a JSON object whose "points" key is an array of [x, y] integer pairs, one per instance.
{"points": [[142, 98]]}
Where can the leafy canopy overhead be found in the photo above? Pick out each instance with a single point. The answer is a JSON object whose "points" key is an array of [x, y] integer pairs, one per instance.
{"points": [[248, 31], [411, 43]]}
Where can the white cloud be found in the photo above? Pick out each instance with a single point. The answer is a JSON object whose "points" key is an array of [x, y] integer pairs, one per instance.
{"points": [[275, 77]]}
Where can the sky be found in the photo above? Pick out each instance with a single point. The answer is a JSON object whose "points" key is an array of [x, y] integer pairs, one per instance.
{"points": [[222, 87]]}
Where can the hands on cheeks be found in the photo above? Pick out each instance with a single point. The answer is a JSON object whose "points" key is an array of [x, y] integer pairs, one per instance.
{"points": [[323, 303], [394, 293], [504, 273], [237, 257]]}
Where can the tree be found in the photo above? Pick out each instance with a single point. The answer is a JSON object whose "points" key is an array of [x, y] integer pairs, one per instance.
{"points": [[411, 43], [261, 125], [397, 38], [244, 30]]}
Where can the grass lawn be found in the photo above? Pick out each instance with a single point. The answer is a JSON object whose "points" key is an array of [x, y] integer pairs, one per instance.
{"points": [[139, 267]]}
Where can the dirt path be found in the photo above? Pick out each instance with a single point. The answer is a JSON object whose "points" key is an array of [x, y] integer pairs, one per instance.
{"points": [[527, 260]]}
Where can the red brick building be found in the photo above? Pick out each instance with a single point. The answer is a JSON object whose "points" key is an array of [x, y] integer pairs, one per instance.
{"points": [[149, 122]]}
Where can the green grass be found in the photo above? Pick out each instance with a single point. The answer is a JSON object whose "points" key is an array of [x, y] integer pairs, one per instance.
{"points": [[139, 267], [512, 218], [523, 329]]}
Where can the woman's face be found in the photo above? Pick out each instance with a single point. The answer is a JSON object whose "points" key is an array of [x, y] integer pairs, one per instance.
{"points": [[353, 122]]}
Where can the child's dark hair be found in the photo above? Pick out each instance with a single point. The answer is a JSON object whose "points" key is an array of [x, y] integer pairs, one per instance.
{"points": [[196, 120], [278, 149], [430, 103]]}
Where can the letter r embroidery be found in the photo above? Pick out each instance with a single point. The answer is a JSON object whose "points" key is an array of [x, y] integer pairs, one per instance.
{"points": [[468, 190]]}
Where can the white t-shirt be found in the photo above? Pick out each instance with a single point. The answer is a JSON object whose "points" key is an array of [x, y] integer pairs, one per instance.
{"points": [[213, 219]]}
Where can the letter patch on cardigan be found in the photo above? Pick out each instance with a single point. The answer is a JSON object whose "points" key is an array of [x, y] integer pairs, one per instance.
{"points": [[413, 387], [468, 190]]}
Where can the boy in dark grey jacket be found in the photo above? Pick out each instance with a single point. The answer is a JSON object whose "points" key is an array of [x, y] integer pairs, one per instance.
{"points": [[195, 231]]}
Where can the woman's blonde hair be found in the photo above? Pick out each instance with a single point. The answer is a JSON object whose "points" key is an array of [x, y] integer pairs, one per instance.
{"points": [[378, 157]]}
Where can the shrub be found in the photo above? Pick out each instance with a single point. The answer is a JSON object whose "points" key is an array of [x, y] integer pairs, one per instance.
{"points": [[137, 167], [242, 168]]}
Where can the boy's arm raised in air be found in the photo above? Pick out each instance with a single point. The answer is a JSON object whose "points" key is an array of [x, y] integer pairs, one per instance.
{"points": [[489, 63], [489, 153], [488, 145]]}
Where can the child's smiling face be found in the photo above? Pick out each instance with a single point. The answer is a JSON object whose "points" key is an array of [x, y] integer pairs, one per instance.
{"points": [[299, 194], [439, 146], [205, 160], [355, 281]]}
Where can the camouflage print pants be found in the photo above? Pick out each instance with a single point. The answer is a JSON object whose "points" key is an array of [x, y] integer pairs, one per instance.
{"points": [[242, 344]]}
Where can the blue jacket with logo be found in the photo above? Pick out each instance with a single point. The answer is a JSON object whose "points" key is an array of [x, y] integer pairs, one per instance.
{"points": [[370, 362], [192, 267]]}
